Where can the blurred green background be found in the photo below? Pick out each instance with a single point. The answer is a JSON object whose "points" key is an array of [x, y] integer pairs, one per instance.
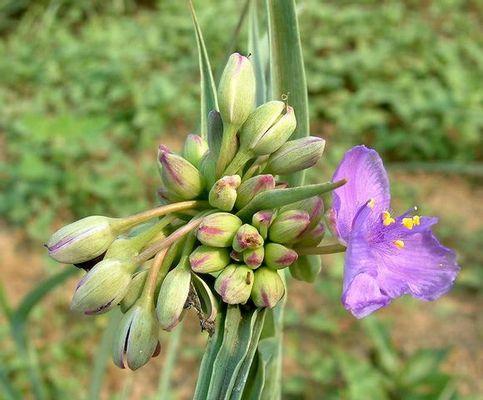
{"points": [[88, 89]]}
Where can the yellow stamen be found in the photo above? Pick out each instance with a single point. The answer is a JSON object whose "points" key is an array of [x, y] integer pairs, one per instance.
{"points": [[416, 220], [387, 219], [399, 243], [371, 203], [408, 223]]}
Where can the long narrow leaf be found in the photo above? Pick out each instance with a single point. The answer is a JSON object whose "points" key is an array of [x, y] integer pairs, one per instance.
{"points": [[6, 386], [258, 52], [208, 89], [164, 386]]}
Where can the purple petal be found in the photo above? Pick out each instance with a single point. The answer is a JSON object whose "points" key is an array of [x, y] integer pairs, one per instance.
{"points": [[366, 179]]}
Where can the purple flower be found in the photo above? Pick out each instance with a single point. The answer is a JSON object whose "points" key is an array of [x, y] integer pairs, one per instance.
{"points": [[386, 256]]}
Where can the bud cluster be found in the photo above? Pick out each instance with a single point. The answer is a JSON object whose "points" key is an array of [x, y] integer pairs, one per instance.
{"points": [[207, 249]]}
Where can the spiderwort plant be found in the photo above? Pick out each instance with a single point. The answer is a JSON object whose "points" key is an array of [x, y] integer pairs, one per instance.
{"points": [[233, 219]]}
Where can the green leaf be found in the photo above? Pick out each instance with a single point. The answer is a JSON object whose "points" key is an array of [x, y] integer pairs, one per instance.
{"points": [[271, 199], [208, 89], [258, 48], [208, 301], [421, 366], [287, 71]]}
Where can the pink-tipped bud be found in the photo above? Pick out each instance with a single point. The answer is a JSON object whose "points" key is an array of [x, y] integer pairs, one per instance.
{"points": [[313, 205], [180, 178], [218, 229], [288, 226], [262, 221], [223, 193], [234, 284], [205, 259], [253, 258], [277, 256], [247, 237], [251, 187], [313, 237], [195, 147], [268, 288]]}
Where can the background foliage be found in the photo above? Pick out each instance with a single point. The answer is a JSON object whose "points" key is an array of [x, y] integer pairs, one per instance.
{"points": [[88, 89]]}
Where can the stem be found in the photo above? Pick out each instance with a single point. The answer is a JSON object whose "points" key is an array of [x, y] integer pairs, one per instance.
{"points": [[149, 234], [227, 149], [328, 249], [253, 168], [238, 162], [144, 216], [150, 285]]}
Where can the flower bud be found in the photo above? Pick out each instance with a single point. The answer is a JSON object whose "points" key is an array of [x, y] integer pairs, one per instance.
{"points": [[205, 259], [180, 178], [268, 128], [296, 155], [137, 337], [83, 240], [103, 287], [306, 268], [253, 258], [268, 288], [311, 238], [236, 90], [234, 284], [218, 229], [223, 193], [134, 290], [172, 297], [277, 256], [288, 226], [195, 147], [262, 221], [208, 169], [313, 205], [251, 187], [247, 237]]}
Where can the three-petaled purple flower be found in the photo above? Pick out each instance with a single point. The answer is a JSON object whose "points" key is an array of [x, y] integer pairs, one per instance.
{"points": [[386, 256]]}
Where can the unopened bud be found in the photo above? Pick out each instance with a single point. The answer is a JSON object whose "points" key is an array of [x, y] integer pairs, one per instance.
{"points": [[195, 147], [205, 259], [208, 169], [306, 268], [277, 256], [311, 238], [83, 240], [251, 187], [172, 297], [103, 287], [313, 205], [253, 258], [268, 128], [223, 193], [288, 226], [268, 288], [134, 290], [218, 229], [236, 90], [296, 155], [262, 221], [137, 338], [234, 284], [180, 178], [247, 237]]}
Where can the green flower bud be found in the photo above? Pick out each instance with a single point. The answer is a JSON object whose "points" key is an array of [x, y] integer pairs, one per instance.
{"points": [[262, 221], [137, 337], [313, 205], [312, 238], [134, 290], [180, 178], [268, 128], [103, 287], [277, 256], [253, 258], [306, 268], [236, 90], [208, 169], [296, 155], [195, 147], [218, 229], [83, 240], [205, 259], [247, 237], [172, 297], [268, 288], [223, 193], [288, 226], [251, 187], [234, 284]]}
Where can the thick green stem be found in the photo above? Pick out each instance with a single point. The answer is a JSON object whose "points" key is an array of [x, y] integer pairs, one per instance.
{"points": [[328, 249]]}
